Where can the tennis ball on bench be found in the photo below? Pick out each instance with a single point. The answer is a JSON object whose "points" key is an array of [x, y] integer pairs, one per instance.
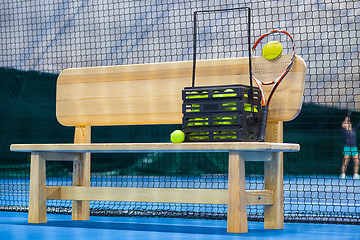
{"points": [[272, 50], [177, 136]]}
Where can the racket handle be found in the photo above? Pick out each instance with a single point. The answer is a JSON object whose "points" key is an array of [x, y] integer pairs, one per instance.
{"points": [[263, 120]]}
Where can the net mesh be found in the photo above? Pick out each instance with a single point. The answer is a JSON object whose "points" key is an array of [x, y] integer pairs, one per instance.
{"points": [[39, 40]]}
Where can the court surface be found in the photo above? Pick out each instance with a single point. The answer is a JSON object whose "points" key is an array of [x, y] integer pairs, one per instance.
{"points": [[13, 225]]}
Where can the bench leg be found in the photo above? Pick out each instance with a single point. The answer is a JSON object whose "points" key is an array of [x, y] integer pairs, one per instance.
{"points": [[81, 174], [81, 177], [274, 214], [37, 194], [237, 215]]}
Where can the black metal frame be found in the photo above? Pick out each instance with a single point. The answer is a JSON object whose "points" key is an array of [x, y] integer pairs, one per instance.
{"points": [[249, 45]]}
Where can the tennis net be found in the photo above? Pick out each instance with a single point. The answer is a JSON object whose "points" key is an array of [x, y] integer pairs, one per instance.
{"points": [[39, 40]]}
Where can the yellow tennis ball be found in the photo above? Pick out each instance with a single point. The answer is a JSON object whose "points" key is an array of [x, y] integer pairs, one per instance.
{"points": [[229, 90], [272, 50], [247, 107], [177, 136], [192, 95], [196, 107], [229, 104], [229, 94], [199, 121], [227, 122]]}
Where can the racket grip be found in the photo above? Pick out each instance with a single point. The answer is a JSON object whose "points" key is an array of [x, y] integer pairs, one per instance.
{"points": [[262, 125]]}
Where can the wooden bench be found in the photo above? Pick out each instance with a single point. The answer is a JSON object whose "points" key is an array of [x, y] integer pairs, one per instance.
{"points": [[151, 94]]}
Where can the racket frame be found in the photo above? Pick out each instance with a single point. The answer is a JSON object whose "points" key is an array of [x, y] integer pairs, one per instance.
{"points": [[276, 82]]}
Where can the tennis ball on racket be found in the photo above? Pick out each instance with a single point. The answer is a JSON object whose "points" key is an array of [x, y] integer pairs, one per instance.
{"points": [[177, 136], [272, 50]]}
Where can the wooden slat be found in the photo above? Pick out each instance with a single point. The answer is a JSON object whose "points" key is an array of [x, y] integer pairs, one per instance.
{"points": [[159, 147], [53, 192], [259, 197], [37, 194], [55, 156], [151, 93], [82, 134], [253, 156], [171, 195]]}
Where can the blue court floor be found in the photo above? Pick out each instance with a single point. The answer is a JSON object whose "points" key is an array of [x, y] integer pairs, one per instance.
{"points": [[14, 226]]}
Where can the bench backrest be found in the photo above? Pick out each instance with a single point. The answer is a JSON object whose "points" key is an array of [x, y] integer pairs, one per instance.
{"points": [[151, 93]]}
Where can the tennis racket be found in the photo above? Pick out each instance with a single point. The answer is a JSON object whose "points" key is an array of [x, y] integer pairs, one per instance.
{"points": [[271, 72]]}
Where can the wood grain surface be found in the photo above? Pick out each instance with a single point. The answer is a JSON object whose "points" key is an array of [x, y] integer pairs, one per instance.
{"points": [[151, 93], [159, 147]]}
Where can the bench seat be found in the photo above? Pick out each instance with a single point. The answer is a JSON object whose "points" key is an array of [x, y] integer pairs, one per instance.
{"points": [[158, 147]]}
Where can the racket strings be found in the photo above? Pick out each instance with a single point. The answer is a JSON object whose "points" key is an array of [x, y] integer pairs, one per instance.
{"points": [[270, 70]]}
